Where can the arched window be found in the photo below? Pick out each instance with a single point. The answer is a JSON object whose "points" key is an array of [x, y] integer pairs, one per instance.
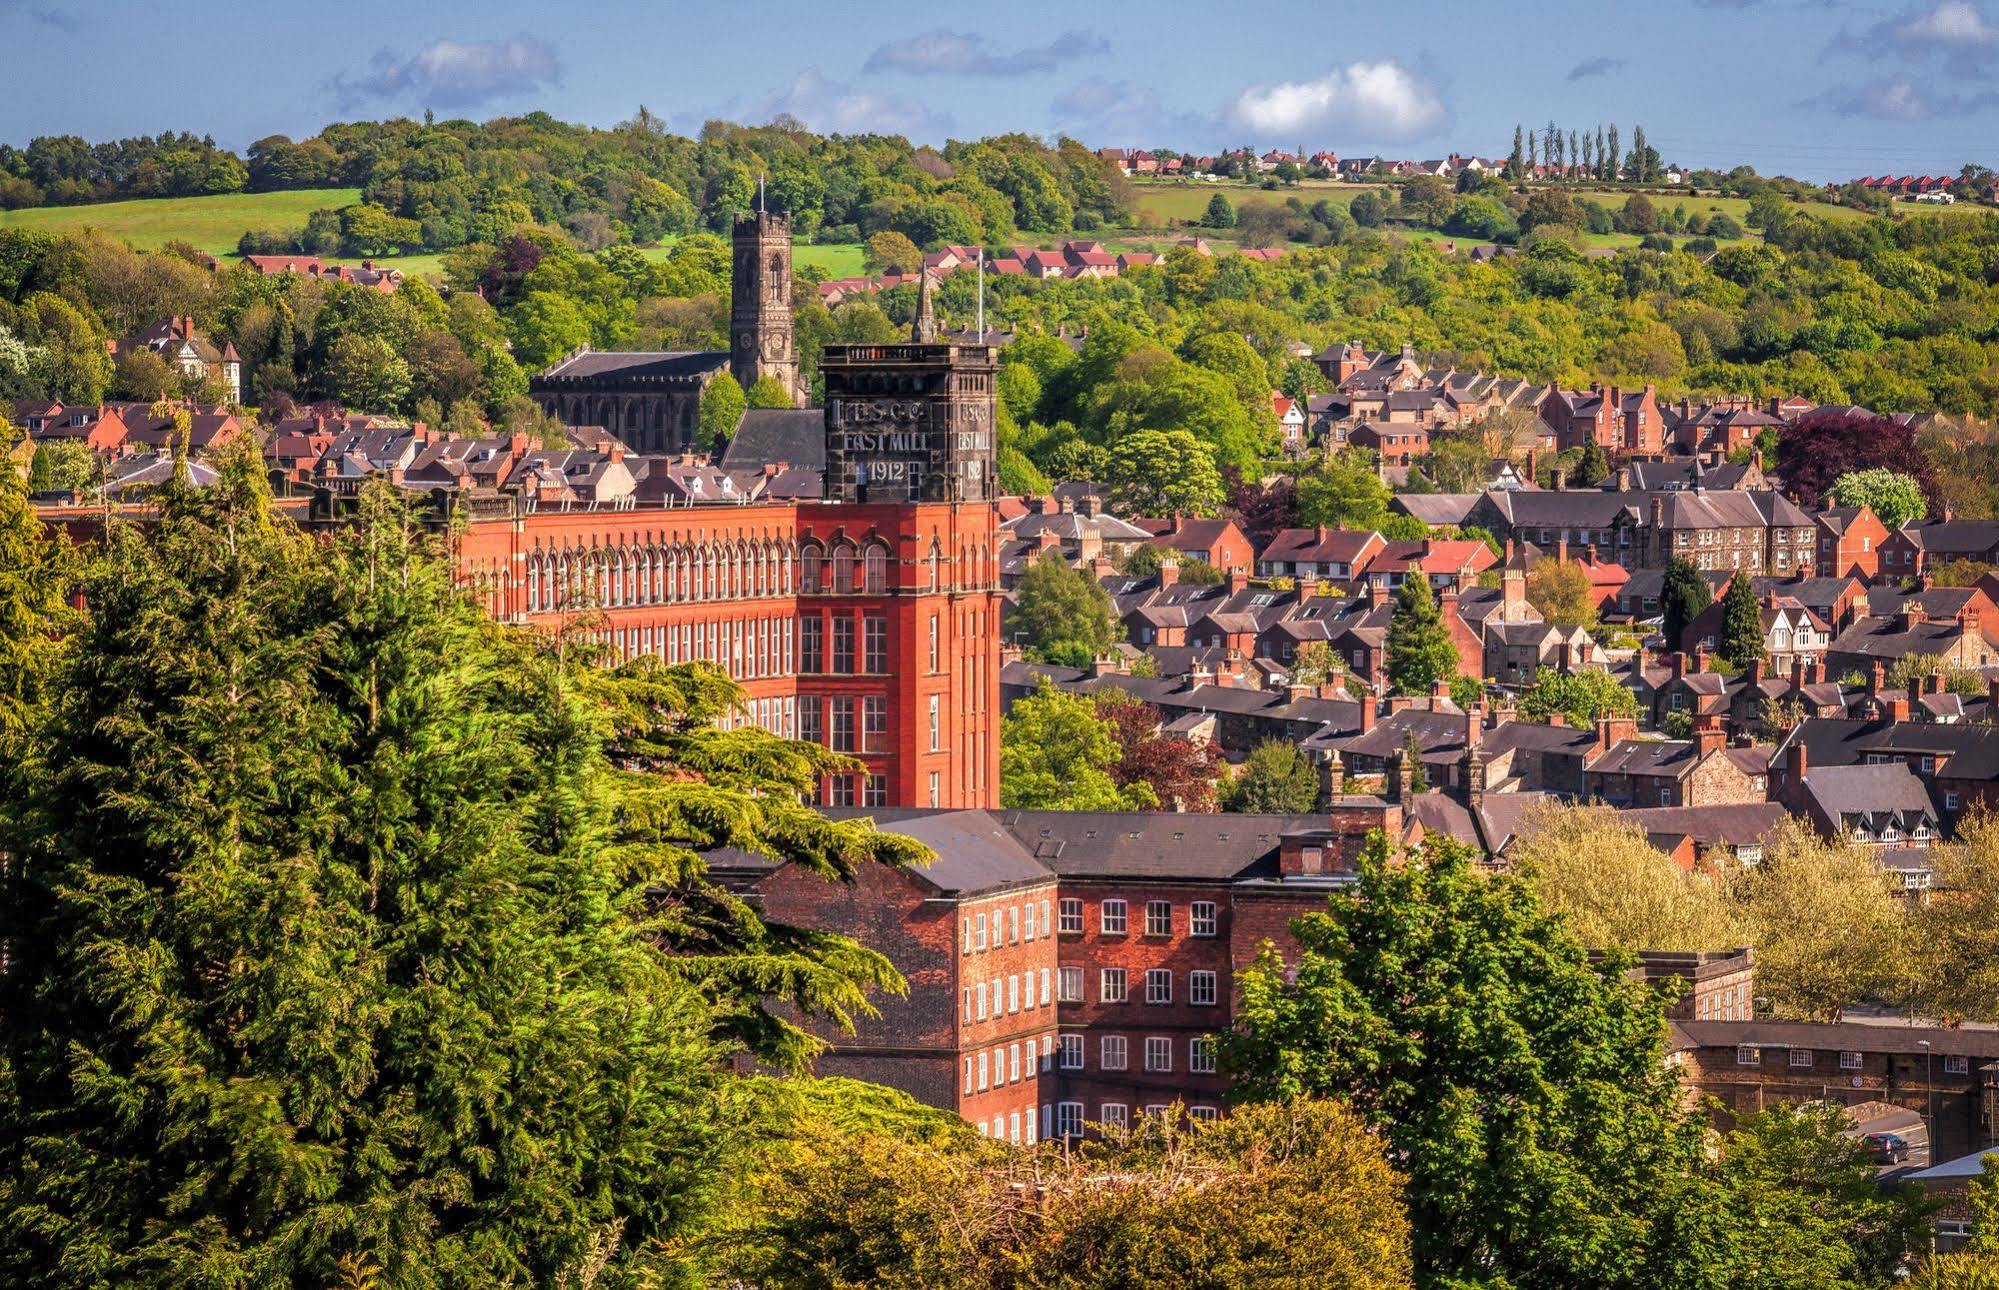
{"points": [[843, 569], [875, 572], [535, 584], [810, 570], [936, 566]]}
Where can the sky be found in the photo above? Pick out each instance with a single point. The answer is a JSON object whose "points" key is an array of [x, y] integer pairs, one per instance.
{"points": [[1819, 89]]}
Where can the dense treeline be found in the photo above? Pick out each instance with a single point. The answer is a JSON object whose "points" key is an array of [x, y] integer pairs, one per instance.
{"points": [[431, 186]]}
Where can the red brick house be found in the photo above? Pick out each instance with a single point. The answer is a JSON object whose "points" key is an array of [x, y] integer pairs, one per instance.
{"points": [[1849, 541]]}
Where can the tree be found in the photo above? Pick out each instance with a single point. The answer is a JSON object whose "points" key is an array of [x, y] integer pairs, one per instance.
{"points": [[363, 372], [1895, 498], [1316, 663], [1562, 591], [35, 574], [1593, 467], [1369, 209], [1956, 938], [1638, 215], [1342, 495], [1152, 472], [1427, 200], [1062, 613], [1740, 640], [1683, 594], [143, 376], [1220, 212], [1615, 889], [1581, 697], [1276, 779], [1056, 753], [1420, 650], [1179, 773], [769, 392], [889, 249], [1292, 1194], [60, 465], [722, 406], [1830, 927], [1817, 449], [1521, 1085]]}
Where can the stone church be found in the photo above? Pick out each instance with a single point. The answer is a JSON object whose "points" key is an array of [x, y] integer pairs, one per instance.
{"points": [[652, 401]]}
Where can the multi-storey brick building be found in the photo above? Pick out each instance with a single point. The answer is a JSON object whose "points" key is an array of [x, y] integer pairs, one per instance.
{"points": [[1137, 921]]}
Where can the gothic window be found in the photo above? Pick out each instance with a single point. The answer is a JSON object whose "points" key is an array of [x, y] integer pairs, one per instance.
{"points": [[843, 569], [936, 566], [534, 582], [809, 570], [875, 575]]}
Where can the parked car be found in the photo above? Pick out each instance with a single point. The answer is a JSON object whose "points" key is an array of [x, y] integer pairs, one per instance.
{"points": [[1888, 1148]]}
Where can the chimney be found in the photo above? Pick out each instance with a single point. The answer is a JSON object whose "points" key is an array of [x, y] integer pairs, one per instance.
{"points": [[1756, 672], [1797, 671], [1474, 725], [1679, 666], [1796, 764], [1377, 592], [1238, 581], [1700, 658], [1875, 674], [1308, 586], [1169, 573], [1367, 713], [1100, 566], [1332, 778], [1898, 709], [1710, 737], [1398, 776], [1611, 731]]}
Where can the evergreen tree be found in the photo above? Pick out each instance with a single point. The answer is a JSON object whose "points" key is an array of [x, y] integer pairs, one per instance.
{"points": [[1516, 160], [1220, 212], [1575, 156], [1420, 652], [1611, 154], [1741, 638], [1682, 596], [338, 950], [1412, 763], [35, 570], [1602, 157], [1593, 466], [1531, 140]]}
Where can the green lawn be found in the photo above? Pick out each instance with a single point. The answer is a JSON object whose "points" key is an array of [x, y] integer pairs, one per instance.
{"points": [[214, 224]]}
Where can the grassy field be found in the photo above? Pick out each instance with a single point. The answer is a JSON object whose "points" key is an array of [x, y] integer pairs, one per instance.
{"points": [[214, 224]]}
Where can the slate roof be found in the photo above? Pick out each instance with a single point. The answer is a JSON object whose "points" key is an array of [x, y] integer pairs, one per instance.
{"points": [[796, 436], [1972, 749], [592, 363], [1154, 845]]}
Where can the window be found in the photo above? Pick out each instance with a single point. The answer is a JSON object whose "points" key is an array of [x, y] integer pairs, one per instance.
{"points": [[1158, 985], [842, 793], [811, 643], [1849, 1061], [1032, 1049], [1110, 1053], [1801, 1059], [1158, 918], [1201, 918], [875, 572], [1068, 1119], [874, 724], [936, 723], [1956, 1065], [1111, 918], [1110, 986], [1201, 1056], [876, 791], [1027, 923], [1201, 989], [936, 783], [1071, 984], [1112, 1115], [843, 724], [1013, 1127], [984, 1067], [1158, 1053], [1207, 1113], [1748, 1055], [979, 940], [1013, 925], [1045, 996], [1045, 924], [1072, 915], [808, 570], [968, 1074], [982, 1000], [1072, 1052], [1013, 1064], [811, 721], [1013, 994], [933, 643], [874, 644], [968, 934], [843, 645]]}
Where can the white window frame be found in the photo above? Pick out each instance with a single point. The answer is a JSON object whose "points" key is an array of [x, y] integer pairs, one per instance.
{"points": [[1113, 917], [1072, 1052], [1158, 912], [1201, 1055], [1113, 1053], [1202, 988], [1748, 1055], [1158, 986], [1072, 917], [1113, 1115], [1112, 986], [1849, 1061], [985, 1059], [1068, 1119], [1201, 919], [1159, 1054], [1801, 1059], [980, 941], [1956, 1064], [1070, 984]]}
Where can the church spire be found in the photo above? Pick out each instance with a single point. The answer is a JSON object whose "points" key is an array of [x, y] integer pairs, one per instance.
{"points": [[924, 331]]}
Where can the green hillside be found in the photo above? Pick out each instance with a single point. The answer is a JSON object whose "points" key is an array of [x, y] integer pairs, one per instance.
{"points": [[214, 224]]}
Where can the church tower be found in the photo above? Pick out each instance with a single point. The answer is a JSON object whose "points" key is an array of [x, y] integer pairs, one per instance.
{"points": [[760, 341]]}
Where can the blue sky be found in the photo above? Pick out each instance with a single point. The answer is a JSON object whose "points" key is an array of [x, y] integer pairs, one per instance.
{"points": [[1824, 90]]}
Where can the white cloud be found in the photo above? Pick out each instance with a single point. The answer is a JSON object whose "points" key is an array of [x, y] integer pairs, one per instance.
{"points": [[1952, 23], [1382, 101], [454, 73], [834, 107], [955, 53]]}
